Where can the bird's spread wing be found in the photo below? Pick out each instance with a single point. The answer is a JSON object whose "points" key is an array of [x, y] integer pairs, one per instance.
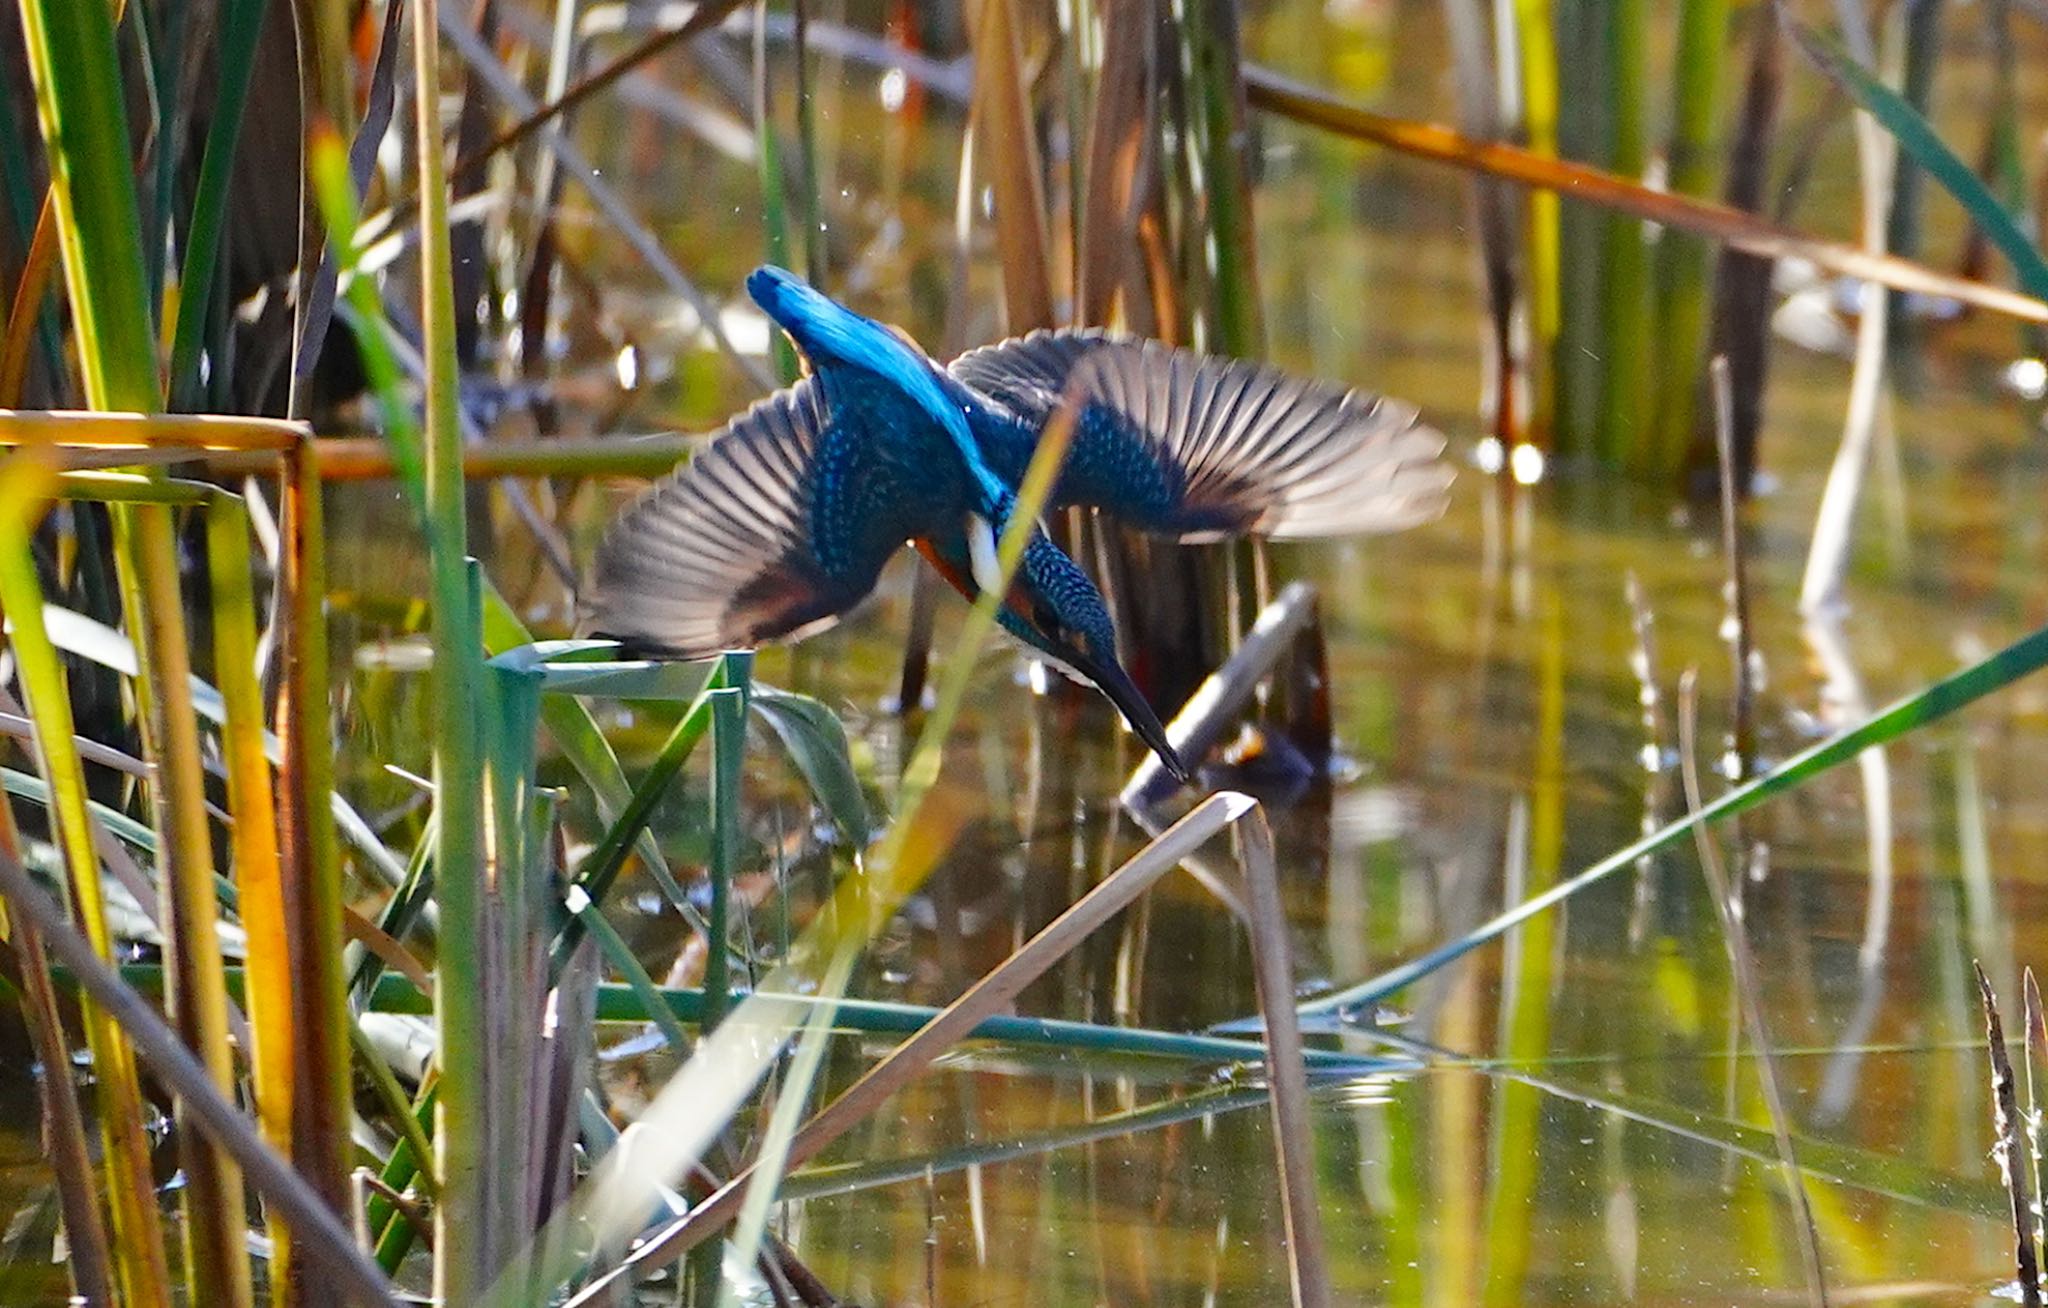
{"points": [[723, 553], [1196, 446]]}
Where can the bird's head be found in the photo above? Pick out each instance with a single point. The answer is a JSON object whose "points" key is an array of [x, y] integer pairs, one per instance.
{"points": [[1054, 608]]}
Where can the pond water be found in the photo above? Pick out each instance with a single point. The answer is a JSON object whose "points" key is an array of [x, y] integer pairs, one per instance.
{"points": [[1583, 1124]]}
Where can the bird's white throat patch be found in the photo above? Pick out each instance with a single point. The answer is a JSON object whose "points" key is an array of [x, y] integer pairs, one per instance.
{"points": [[981, 552]]}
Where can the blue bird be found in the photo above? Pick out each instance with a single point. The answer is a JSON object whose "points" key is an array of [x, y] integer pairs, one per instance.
{"points": [[784, 521]]}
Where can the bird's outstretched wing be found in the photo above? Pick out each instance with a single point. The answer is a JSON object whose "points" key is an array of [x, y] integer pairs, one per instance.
{"points": [[1197, 447], [724, 553]]}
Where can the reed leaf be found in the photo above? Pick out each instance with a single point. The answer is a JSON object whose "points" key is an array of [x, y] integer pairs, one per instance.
{"points": [[85, 1231], [728, 749], [1917, 137], [1680, 288], [81, 105], [241, 21], [1992, 673]]}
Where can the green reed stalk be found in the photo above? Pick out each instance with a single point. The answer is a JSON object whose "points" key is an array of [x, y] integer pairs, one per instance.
{"points": [[1683, 261], [462, 1220], [1218, 88], [1625, 289], [241, 21], [1538, 51], [728, 746], [774, 206]]}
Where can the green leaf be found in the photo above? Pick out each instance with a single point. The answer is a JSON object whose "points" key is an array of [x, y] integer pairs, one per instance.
{"points": [[816, 744]]}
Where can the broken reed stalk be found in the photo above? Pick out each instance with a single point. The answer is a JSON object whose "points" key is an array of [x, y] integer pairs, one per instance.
{"points": [[2037, 1053], [2008, 1150], [1748, 990]]}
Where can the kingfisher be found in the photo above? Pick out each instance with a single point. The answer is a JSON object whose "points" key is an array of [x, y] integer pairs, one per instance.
{"points": [[782, 523]]}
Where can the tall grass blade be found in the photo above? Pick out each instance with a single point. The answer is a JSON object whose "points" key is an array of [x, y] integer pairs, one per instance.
{"points": [[82, 112], [1217, 85], [80, 102], [815, 741], [1918, 139], [140, 1265], [1681, 286], [728, 750], [1534, 26], [622, 1003], [1625, 271]]}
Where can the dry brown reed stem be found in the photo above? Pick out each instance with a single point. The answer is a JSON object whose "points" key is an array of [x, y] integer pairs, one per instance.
{"points": [[2010, 1149], [1301, 1214], [2037, 1052], [1595, 186], [36, 270], [320, 1234], [1006, 151], [1748, 992], [1202, 720], [102, 430]]}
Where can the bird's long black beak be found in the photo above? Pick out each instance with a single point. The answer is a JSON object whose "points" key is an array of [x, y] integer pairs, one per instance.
{"points": [[1114, 682]]}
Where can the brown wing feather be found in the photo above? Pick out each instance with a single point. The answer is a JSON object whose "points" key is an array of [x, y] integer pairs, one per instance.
{"points": [[716, 556]]}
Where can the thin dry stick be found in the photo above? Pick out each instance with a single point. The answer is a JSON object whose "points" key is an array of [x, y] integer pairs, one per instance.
{"points": [[1736, 937], [1202, 720], [316, 1231], [993, 993], [2005, 1119]]}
